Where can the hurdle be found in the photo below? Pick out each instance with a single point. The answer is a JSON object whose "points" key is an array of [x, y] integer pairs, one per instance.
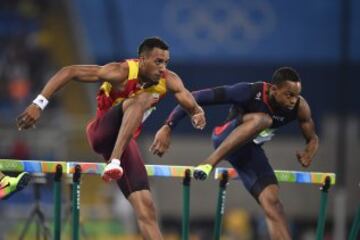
{"points": [[185, 172], [355, 227], [323, 206], [57, 205], [325, 178], [186, 205], [93, 168]]}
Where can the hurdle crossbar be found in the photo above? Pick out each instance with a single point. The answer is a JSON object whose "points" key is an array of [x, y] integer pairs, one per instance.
{"points": [[286, 176], [94, 168]]}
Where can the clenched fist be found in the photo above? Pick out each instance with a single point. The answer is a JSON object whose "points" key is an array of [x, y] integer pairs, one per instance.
{"points": [[304, 158], [198, 120]]}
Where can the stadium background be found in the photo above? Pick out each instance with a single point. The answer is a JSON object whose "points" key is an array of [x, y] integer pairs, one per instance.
{"points": [[211, 43]]}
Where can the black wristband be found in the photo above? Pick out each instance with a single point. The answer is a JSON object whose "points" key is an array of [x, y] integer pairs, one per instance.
{"points": [[170, 124]]}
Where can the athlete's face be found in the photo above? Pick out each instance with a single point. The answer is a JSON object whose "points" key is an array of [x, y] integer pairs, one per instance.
{"points": [[286, 94], [153, 64]]}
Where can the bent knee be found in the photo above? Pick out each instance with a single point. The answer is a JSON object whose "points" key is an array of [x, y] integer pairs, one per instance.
{"points": [[270, 201], [142, 101]]}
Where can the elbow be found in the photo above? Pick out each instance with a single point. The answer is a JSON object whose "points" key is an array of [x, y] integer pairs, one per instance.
{"points": [[313, 142], [314, 139], [69, 72]]}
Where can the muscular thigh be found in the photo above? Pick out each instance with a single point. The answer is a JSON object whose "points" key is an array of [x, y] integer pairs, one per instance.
{"points": [[103, 131]]}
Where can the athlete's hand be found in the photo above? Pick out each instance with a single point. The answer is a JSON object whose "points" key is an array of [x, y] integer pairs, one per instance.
{"points": [[161, 141], [198, 120], [304, 158], [29, 117]]}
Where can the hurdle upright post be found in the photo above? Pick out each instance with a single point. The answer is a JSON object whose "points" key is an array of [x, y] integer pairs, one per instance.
{"points": [[186, 205], [57, 205], [220, 205], [355, 225], [76, 203], [323, 205]]}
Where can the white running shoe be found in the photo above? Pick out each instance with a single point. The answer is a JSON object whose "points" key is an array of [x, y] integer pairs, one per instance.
{"points": [[112, 171]]}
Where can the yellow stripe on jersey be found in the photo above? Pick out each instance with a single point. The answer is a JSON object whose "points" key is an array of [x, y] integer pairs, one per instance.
{"points": [[133, 73], [106, 87], [159, 88], [133, 68]]}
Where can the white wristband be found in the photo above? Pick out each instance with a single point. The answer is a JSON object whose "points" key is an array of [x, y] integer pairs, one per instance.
{"points": [[41, 101]]}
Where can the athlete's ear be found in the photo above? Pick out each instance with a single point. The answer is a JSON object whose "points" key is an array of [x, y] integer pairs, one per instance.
{"points": [[142, 55], [141, 59]]}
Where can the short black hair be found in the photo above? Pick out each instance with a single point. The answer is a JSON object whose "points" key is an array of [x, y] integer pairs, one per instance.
{"points": [[150, 43], [285, 74]]}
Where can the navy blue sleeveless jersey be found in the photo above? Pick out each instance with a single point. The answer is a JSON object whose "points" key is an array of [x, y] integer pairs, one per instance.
{"points": [[249, 159]]}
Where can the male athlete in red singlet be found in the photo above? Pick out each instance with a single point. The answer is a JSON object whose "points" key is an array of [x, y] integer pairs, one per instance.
{"points": [[128, 93]]}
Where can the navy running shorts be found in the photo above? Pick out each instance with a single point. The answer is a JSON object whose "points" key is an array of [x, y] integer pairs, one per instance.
{"points": [[249, 161]]}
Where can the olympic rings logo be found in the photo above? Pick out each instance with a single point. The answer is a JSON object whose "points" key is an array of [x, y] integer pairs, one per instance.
{"points": [[230, 26]]}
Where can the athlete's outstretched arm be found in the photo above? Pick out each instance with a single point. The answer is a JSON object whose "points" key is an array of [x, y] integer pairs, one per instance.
{"points": [[238, 93], [113, 72], [228, 94], [308, 129]]}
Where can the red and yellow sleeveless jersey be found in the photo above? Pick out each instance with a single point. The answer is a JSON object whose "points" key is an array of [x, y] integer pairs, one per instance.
{"points": [[108, 96]]}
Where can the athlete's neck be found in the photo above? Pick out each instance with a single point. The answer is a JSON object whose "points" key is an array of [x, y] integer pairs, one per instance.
{"points": [[274, 105], [144, 81], [272, 102]]}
